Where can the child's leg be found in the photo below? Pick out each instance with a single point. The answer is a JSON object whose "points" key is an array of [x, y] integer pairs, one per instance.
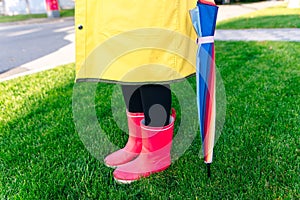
{"points": [[132, 97], [157, 134], [156, 100], [135, 114]]}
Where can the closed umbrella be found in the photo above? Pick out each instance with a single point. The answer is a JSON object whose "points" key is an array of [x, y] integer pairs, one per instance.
{"points": [[204, 21]]}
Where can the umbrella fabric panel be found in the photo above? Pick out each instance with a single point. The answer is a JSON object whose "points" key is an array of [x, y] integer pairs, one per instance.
{"points": [[204, 21], [208, 17]]}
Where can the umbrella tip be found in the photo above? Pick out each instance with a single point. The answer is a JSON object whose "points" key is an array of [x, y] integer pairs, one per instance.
{"points": [[208, 170]]}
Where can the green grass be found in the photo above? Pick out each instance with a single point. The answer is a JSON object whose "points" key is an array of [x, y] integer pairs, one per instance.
{"points": [[21, 17], [67, 13], [63, 13], [256, 157], [274, 17]]}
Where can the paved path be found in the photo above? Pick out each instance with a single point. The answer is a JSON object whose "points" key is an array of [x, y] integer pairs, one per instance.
{"points": [[59, 56], [287, 34], [230, 11], [24, 43], [35, 45]]}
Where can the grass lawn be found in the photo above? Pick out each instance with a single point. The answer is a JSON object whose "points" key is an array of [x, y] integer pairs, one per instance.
{"points": [[274, 17], [256, 157], [63, 13]]}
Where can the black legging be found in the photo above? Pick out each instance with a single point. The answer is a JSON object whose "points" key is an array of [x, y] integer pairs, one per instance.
{"points": [[153, 100]]}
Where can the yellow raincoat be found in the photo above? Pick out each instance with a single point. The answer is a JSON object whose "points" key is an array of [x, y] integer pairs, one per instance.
{"points": [[134, 41]]}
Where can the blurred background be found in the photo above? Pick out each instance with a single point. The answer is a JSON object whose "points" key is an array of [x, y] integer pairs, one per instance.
{"points": [[16, 7]]}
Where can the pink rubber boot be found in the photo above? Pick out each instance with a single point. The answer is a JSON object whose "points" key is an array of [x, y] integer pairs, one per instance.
{"points": [[154, 157], [133, 146]]}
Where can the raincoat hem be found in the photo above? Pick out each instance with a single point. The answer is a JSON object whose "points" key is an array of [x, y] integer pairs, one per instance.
{"points": [[80, 80]]}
